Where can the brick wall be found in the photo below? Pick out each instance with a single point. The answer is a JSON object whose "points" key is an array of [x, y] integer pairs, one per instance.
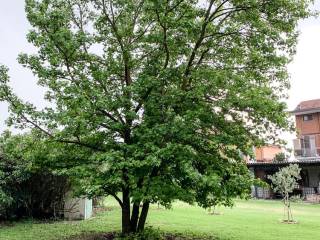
{"points": [[311, 127], [308, 127]]}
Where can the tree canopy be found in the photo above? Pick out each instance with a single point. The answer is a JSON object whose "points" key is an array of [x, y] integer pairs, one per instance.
{"points": [[158, 100]]}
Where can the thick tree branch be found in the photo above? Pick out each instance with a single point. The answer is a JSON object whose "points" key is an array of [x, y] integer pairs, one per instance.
{"points": [[209, 17], [136, 16], [172, 8], [117, 198], [49, 134], [125, 54], [165, 43], [197, 44]]}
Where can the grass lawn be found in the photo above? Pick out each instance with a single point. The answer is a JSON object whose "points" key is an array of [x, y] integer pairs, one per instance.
{"points": [[247, 220]]}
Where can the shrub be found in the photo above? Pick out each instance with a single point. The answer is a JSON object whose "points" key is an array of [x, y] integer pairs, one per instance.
{"points": [[280, 157], [296, 198], [27, 190]]}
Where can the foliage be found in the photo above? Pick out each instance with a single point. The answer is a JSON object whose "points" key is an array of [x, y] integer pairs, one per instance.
{"points": [[5, 202], [12, 172], [280, 157], [25, 189], [296, 198], [156, 99], [284, 182]]}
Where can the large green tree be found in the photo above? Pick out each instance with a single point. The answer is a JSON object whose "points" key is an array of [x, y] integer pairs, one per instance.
{"points": [[156, 99]]}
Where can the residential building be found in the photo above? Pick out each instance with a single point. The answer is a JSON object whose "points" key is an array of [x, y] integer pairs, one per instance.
{"points": [[307, 116], [306, 152]]}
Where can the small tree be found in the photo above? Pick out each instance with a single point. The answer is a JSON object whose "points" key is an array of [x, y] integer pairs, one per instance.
{"points": [[214, 203], [284, 182], [280, 157]]}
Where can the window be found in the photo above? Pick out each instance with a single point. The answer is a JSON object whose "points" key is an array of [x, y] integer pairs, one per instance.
{"points": [[305, 142], [308, 117], [308, 146]]}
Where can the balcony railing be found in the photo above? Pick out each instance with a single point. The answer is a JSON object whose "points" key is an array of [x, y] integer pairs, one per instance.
{"points": [[306, 147]]}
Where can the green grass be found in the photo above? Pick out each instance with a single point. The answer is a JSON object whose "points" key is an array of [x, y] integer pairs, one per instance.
{"points": [[247, 220]]}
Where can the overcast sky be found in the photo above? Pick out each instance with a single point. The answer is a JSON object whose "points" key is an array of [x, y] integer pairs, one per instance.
{"points": [[304, 70]]}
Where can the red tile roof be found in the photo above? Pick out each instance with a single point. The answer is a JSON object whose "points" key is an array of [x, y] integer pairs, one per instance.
{"points": [[308, 105]]}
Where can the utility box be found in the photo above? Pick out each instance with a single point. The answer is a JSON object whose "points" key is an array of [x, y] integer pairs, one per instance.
{"points": [[77, 208]]}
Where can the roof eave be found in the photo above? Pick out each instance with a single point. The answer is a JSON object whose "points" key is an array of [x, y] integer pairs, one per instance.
{"points": [[305, 111]]}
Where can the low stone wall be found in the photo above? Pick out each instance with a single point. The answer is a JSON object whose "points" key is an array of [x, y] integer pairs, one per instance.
{"points": [[77, 208], [313, 198]]}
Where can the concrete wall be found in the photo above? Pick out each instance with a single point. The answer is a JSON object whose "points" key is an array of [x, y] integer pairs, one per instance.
{"points": [[77, 208]]}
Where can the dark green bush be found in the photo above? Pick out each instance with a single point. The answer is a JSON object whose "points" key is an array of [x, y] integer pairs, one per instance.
{"points": [[280, 157], [27, 190]]}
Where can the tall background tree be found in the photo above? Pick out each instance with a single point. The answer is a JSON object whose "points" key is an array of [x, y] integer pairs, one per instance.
{"points": [[156, 99]]}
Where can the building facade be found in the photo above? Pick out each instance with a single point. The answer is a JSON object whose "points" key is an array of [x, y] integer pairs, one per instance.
{"points": [[307, 117], [306, 155]]}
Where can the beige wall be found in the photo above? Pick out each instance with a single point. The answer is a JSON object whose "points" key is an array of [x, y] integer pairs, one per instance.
{"points": [[77, 208], [258, 154], [266, 153]]}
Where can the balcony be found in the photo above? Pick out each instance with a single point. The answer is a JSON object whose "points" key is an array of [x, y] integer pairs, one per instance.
{"points": [[307, 148]]}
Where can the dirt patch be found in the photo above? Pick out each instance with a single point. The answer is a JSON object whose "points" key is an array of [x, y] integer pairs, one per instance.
{"points": [[289, 222], [113, 236], [169, 236], [94, 236], [215, 213], [6, 224]]}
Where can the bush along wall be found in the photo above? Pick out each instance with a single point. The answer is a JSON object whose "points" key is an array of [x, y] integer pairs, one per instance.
{"points": [[36, 195], [26, 189]]}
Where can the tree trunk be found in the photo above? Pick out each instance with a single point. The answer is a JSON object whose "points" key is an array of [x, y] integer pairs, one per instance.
{"points": [[135, 216], [126, 226], [288, 209], [143, 216]]}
